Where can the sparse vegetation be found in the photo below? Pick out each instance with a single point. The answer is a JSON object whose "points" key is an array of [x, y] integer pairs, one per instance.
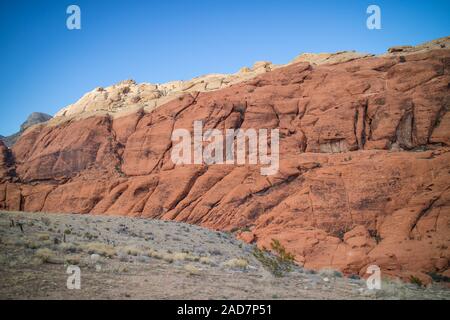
{"points": [[46, 221], [225, 265], [281, 252], [123, 256], [340, 232], [236, 263], [32, 244], [99, 248], [179, 256], [130, 250], [167, 257], [120, 269], [73, 260], [192, 270], [154, 254], [206, 260], [416, 281], [330, 273], [374, 234], [279, 264], [44, 254], [43, 236], [68, 247], [88, 235], [438, 277]]}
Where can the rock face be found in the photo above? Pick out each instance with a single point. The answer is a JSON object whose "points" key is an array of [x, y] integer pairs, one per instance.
{"points": [[364, 163], [33, 119], [128, 96]]}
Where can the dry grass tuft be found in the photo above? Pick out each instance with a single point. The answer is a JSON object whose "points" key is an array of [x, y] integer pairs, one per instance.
{"points": [[206, 260], [43, 236], [154, 254], [44, 254], [130, 250], [68, 247], [192, 270], [100, 249], [74, 260], [236, 263]]}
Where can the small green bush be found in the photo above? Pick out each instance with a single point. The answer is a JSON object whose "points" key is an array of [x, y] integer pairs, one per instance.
{"points": [[416, 281], [277, 264]]}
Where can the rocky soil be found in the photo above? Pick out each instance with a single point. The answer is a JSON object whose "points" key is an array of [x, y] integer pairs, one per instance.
{"points": [[133, 258], [364, 160]]}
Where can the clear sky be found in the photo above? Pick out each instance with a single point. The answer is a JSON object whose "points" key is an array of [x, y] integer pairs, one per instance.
{"points": [[44, 66]]}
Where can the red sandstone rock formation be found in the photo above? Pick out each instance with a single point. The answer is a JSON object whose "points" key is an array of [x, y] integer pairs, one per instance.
{"points": [[364, 164]]}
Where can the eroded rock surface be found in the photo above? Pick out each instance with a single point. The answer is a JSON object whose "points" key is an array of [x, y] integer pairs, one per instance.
{"points": [[364, 162]]}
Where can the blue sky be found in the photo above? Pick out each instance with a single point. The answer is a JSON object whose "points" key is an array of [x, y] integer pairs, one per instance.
{"points": [[44, 66]]}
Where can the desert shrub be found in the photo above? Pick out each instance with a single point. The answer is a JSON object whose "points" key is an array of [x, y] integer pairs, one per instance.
{"points": [[192, 270], [123, 256], [330, 273], [183, 256], [374, 234], [416, 281], [43, 236], [236, 263], [73, 260], [206, 260], [99, 248], [45, 221], [88, 235], [281, 252], [179, 256], [167, 257], [339, 232], [142, 259], [32, 245], [16, 242], [68, 247], [44, 254], [131, 250], [240, 229], [120, 269], [154, 254], [438, 277], [190, 257], [277, 264], [394, 288], [215, 252], [354, 277]]}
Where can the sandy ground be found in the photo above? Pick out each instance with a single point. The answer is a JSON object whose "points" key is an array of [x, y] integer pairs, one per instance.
{"points": [[128, 258]]}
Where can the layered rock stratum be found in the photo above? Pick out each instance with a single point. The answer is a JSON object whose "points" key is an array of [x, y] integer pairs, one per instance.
{"points": [[364, 158]]}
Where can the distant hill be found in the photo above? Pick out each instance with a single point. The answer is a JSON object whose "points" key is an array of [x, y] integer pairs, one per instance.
{"points": [[33, 119]]}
